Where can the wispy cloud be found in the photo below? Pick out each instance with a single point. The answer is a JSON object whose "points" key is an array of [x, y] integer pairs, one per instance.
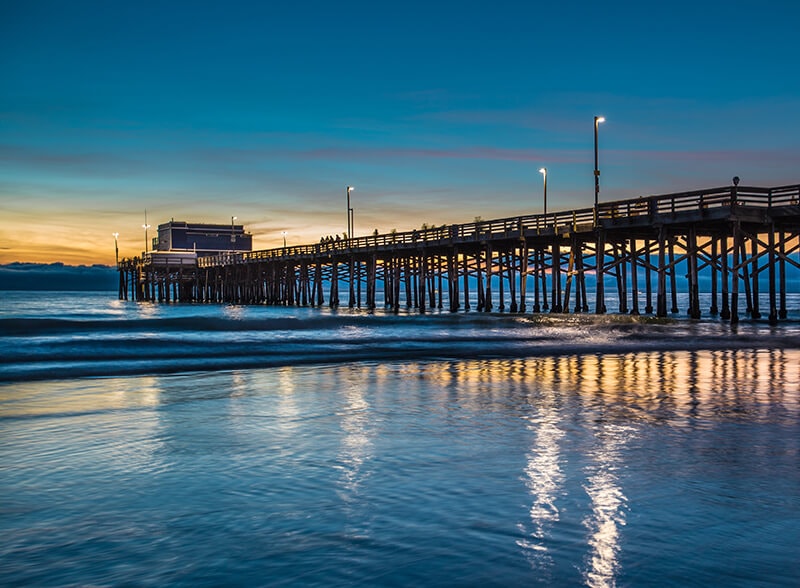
{"points": [[466, 153], [50, 157], [752, 156]]}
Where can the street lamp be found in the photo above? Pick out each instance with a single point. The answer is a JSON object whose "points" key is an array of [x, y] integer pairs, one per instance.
{"points": [[349, 213], [233, 235], [116, 247], [145, 226], [543, 171], [284, 238], [597, 121]]}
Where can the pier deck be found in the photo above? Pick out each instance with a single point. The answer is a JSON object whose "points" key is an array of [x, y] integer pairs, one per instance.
{"points": [[737, 239]]}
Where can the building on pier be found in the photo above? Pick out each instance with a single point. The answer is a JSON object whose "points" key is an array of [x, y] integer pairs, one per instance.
{"points": [[202, 239]]}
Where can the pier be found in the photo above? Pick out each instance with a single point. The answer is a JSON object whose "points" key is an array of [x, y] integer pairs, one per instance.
{"points": [[742, 242]]}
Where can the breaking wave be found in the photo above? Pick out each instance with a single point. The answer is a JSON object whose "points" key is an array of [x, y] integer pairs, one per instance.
{"points": [[61, 348]]}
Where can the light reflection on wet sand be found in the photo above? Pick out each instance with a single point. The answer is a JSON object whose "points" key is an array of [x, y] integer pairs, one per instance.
{"points": [[608, 505], [356, 443], [544, 479], [679, 389], [672, 384], [568, 428]]}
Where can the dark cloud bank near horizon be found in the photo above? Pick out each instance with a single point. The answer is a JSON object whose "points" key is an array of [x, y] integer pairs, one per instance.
{"points": [[57, 276]]}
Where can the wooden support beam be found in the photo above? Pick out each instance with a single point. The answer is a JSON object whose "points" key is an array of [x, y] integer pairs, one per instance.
{"points": [[756, 311], [782, 313], [773, 298], [487, 299], [555, 276], [673, 280], [634, 279], [537, 267], [523, 276], [737, 247], [600, 253], [714, 277]]}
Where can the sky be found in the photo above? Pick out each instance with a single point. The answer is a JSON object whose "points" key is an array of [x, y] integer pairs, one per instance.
{"points": [[436, 112]]}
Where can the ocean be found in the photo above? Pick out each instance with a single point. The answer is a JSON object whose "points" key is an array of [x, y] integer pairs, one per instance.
{"points": [[210, 445]]}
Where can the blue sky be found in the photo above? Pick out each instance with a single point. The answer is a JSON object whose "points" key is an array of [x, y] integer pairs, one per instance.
{"points": [[437, 112]]}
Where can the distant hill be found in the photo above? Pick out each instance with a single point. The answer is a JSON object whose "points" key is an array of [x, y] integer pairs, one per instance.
{"points": [[57, 276]]}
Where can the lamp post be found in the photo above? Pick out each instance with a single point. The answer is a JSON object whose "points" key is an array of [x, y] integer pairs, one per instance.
{"points": [[597, 121], [543, 171], [145, 226], [600, 306], [233, 235], [116, 247], [284, 238], [349, 213]]}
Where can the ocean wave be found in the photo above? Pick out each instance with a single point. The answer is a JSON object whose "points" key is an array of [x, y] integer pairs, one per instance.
{"points": [[31, 327], [141, 339], [48, 326]]}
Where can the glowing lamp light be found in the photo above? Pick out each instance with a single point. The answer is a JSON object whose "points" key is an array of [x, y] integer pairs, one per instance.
{"points": [[349, 213], [116, 247], [543, 171]]}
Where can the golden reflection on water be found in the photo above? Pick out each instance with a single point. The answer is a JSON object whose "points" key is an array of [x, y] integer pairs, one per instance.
{"points": [[65, 397], [287, 411], [91, 408], [679, 388], [615, 394]]}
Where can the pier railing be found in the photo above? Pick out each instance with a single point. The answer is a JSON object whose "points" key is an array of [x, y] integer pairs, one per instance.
{"points": [[581, 220], [701, 199]]}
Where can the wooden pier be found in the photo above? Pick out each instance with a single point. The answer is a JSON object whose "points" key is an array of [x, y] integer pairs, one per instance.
{"points": [[738, 241]]}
